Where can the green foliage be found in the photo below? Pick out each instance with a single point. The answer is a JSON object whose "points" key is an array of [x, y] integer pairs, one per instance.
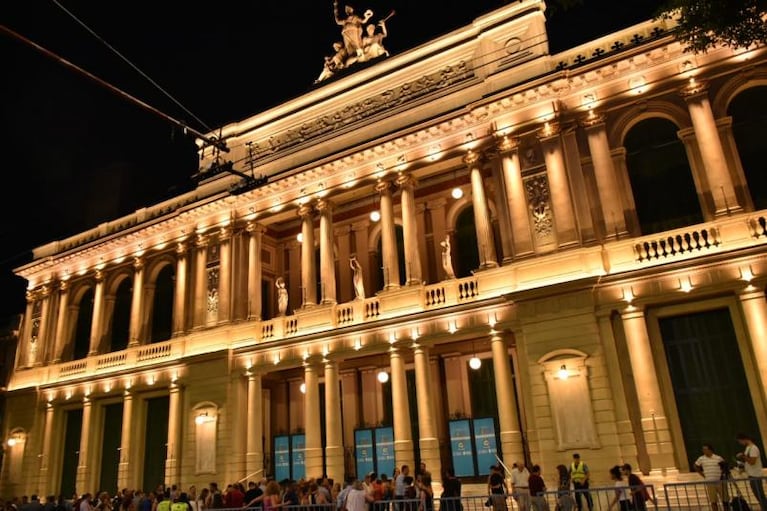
{"points": [[705, 24]]}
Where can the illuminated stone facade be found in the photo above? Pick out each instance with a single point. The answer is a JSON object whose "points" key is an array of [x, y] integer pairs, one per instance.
{"points": [[167, 320]]}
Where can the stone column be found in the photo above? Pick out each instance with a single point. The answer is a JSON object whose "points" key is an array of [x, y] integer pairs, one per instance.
{"points": [[254, 457], [715, 165], [427, 428], [485, 242], [41, 344], [83, 478], [22, 354], [508, 421], [556, 172], [308, 270], [45, 483], [403, 435], [502, 212], [137, 303], [653, 416], [752, 300], [96, 322], [225, 276], [124, 472], [388, 238], [515, 195], [334, 444], [606, 176], [254, 270], [201, 282], [175, 409], [179, 297], [410, 230], [313, 453], [61, 322], [327, 256]]}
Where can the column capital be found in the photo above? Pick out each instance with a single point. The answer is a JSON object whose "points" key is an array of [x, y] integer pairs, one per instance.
{"points": [[305, 211], [64, 286], [383, 186], [549, 130], [99, 276], [751, 292], [632, 312], [45, 291], [324, 206], [224, 233], [138, 263], [472, 158], [181, 249], [506, 144], [694, 89], [30, 295], [593, 120], [405, 180], [254, 228], [201, 241]]}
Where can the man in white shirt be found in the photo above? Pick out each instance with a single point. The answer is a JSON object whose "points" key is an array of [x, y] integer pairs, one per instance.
{"points": [[710, 468], [519, 488], [752, 459]]}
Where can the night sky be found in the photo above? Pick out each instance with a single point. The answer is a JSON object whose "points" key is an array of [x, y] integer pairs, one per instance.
{"points": [[75, 154]]}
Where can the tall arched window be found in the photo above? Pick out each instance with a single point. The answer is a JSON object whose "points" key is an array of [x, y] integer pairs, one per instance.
{"points": [[120, 330], [81, 344], [660, 176], [464, 246], [162, 305], [381, 275], [749, 124]]}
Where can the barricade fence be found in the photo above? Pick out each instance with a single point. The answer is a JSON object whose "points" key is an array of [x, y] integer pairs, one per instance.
{"points": [[603, 498], [735, 494]]}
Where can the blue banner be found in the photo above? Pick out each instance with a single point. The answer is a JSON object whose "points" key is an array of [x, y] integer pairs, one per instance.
{"points": [[484, 439], [460, 446], [298, 444], [385, 451], [363, 449], [281, 458]]}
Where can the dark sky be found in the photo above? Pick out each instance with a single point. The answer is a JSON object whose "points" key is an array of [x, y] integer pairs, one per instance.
{"points": [[75, 154]]}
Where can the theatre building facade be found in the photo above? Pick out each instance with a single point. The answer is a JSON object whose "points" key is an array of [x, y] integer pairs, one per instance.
{"points": [[468, 250]]}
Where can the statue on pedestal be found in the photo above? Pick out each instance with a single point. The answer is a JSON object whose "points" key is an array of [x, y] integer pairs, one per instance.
{"points": [[359, 284], [282, 297], [447, 258]]}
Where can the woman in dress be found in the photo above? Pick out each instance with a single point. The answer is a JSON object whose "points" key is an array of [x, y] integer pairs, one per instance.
{"points": [[359, 283], [372, 42]]}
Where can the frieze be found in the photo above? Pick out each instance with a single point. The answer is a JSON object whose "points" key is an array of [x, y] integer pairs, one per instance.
{"points": [[356, 112]]}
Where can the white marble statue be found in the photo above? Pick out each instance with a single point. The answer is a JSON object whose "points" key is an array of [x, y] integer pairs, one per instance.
{"points": [[447, 258], [282, 296], [359, 283]]}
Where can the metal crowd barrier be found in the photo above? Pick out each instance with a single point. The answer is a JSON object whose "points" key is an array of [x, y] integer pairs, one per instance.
{"points": [[735, 494], [629, 498]]}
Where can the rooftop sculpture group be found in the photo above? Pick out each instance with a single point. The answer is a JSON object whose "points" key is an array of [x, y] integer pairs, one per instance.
{"points": [[357, 45]]}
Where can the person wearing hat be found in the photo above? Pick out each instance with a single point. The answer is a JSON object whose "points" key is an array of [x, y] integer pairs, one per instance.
{"points": [[579, 475]]}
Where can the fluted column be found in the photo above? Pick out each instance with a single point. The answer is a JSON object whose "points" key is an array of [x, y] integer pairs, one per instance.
{"points": [[485, 242], [308, 270], [313, 453], [96, 321], [22, 355], [403, 435], [606, 176], [201, 282], [653, 416], [334, 445], [137, 302], [45, 483], [61, 322], [410, 230], [508, 421], [388, 237], [124, 472], [254, 270], [427, 427], [179, 297], [254, 456], [83, 478], [752, 300], [718, 173], [327, 257], [225, 276], [515, 196], [42, 333], [172, 462], [559, 186]]}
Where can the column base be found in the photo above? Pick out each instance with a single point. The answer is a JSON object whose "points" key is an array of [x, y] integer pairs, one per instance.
{"points": [[313, 463], [487, 265], [403, 453]]}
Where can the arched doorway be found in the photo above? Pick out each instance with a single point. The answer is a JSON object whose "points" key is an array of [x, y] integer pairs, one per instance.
{"points": [[120, 328], [81, 344], [749, 124], [464, 247], [162, 305]]}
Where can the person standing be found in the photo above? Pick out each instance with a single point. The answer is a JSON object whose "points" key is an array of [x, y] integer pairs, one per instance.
{"points": [[519, 489], [565, 501], [537, 488], [450, 500], [708, 466], [638, 489], [622, 496], [496, 488], [752, 458], [579, 475]]}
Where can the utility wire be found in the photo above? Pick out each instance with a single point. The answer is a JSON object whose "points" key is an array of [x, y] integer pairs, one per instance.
{"points": [[213, 141], [131, 64]]}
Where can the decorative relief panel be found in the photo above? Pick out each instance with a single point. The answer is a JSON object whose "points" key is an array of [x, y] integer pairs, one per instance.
{"points": [[212, 308], [539, 207]]}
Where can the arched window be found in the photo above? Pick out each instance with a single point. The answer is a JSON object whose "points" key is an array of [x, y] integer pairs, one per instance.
{"points": [[749, 124], [464, 246], [120, 330], [381, 274], [660, 176], [162, 305], [82, 339]]}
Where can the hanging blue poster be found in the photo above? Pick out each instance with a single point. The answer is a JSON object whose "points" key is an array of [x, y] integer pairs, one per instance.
{"points": [[385, 451], [460, 446], [298, 444], [281, 458], [484, 439], [363, 449]]}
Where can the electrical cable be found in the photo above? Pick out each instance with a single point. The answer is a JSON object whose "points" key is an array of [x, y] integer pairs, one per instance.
{"points": [[131, 64]]}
